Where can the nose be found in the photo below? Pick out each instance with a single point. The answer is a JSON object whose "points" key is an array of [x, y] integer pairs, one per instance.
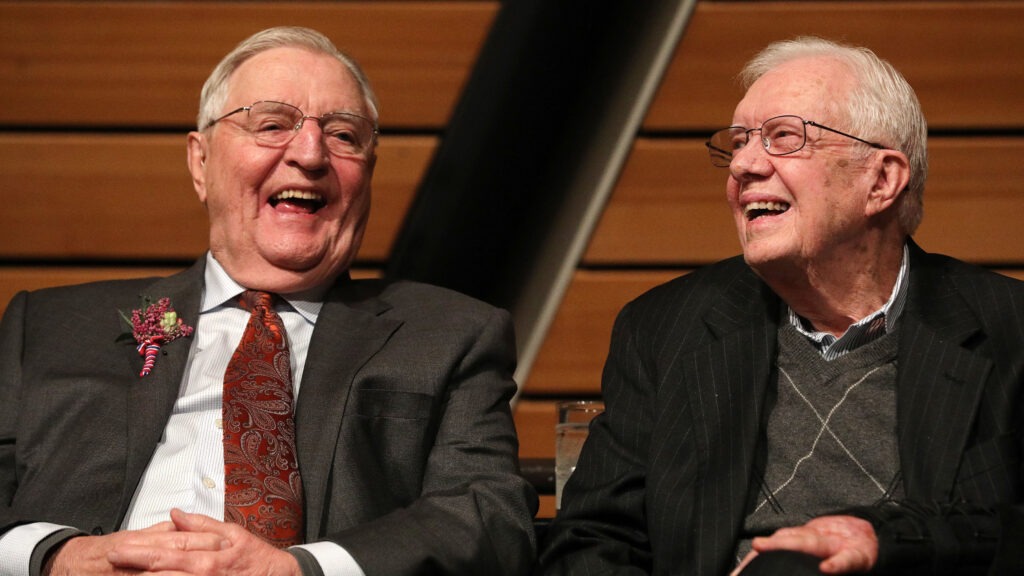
{"points": [[751, 160], [308, 148]]}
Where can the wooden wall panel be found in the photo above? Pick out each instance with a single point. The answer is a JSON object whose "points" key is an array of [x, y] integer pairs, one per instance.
{"points": [[963, 58], [14, 279], [576, 346], [668, 207], [111, 196], [536, 421], [142, 64]]}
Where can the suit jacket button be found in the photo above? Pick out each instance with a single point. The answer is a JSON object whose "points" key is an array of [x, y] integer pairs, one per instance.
{"points": [[97, 531]]}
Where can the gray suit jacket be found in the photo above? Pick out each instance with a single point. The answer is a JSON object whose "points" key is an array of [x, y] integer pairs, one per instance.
{"points": [[663, 483], [405, 439]]}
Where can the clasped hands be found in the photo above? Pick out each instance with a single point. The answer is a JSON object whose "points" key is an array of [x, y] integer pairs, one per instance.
{"points": [[846, 544], [187, 545]]}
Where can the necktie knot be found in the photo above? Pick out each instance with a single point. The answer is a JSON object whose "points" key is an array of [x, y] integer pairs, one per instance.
{"points": [[257, 300]]}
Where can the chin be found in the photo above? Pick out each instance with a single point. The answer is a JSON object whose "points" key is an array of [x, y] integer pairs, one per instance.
{"points": [[283, 281], [294, 253], [756, 256]]}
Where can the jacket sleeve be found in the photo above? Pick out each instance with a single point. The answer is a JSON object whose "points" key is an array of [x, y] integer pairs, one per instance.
{"points": [[946, 539], [474, 514], [10, 378]]}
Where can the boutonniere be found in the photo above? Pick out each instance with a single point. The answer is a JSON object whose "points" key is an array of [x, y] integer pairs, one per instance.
{"points": [[152, 326]]}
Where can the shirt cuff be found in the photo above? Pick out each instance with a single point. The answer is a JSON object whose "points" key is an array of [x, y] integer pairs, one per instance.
{"points": [[18, 543], [332, 558]]}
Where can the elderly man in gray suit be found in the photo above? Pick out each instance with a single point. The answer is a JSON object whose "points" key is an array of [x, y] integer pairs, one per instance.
{"points": [[837, 398], [264, 414]]}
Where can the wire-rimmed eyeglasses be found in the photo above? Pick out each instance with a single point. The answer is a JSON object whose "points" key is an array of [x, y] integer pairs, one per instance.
{"points": [[780, 135], [275, 124]]}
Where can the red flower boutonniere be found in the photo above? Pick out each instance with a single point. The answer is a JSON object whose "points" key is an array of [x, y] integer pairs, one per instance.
{"points": [[152, 326]]}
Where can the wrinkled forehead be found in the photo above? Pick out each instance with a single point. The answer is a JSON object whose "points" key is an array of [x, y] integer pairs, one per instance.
{"points": [[812, 88], [313, 81]]}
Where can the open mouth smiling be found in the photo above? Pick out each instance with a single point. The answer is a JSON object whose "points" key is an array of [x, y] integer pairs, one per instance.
{"points": [[755, 210], [303, 201]]}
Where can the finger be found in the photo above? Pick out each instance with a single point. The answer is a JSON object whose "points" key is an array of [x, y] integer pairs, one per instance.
{"points": [[131, 557], [197, 523], [782, 539], [155, 559], [232, 533], [165, 526], [137, 550], [795, 540]]}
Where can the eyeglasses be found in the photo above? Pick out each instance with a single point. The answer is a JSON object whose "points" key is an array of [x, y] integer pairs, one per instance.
{"points": [[780, 135], [275, 124]]}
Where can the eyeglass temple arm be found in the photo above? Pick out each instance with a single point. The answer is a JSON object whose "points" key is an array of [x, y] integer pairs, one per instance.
{"points": [[833, 130], [711, 146]]}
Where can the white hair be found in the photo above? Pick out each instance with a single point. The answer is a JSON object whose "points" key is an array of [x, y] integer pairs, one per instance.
{"points": [[882, 107], [214, 94]]}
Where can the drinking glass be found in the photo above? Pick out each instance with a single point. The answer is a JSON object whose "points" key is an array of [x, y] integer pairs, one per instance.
{"points": [[570, 432]]}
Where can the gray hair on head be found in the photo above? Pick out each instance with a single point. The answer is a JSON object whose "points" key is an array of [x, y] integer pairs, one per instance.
{"points": [[214, 94], [882, 107]]}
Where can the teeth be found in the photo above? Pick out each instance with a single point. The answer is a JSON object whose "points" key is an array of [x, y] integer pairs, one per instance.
{"points": [[297, 195], [769, 206]]}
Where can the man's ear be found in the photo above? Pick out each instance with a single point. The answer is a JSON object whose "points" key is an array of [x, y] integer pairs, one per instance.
{"points": [[197, 148], [892, 172]]}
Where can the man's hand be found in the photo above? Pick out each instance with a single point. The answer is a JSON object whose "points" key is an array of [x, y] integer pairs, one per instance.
{"points": [[88, 555], [238, 553], [847, 544]]}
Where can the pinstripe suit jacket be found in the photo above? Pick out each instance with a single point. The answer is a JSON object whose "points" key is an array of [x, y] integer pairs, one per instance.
{"points": [[663, 483], [403, 428]]}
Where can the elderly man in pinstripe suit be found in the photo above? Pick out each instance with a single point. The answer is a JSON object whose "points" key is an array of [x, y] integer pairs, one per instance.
{"points": [[835, 401]]}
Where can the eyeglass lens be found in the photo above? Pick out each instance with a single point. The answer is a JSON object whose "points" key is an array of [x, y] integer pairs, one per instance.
{"points": [[779, 136], [276, 123]]}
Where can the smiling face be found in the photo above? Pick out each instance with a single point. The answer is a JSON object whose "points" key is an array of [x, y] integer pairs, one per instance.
{"points": [[794, 211], [283, 219]]}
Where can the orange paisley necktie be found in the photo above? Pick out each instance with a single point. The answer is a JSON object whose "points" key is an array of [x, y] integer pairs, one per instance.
{"points": [[262, 485]]}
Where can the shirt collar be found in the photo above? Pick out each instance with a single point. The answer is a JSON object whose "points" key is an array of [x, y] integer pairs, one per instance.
{"points": [[220, 289]]}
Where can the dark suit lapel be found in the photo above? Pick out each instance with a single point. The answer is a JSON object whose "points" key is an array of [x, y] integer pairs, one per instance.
{"points": [[729, 378], [939, 381], [349, 331], [151, 398]]}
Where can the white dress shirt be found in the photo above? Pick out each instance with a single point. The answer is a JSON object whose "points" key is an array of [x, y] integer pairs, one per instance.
{"points": [[187, 468]]}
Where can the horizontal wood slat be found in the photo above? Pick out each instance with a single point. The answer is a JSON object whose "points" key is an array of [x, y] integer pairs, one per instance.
{"points": [[535, 421], [143, 63], [14, 279], [110, 196], [669, 206], [570, 361], [963, 58]]}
